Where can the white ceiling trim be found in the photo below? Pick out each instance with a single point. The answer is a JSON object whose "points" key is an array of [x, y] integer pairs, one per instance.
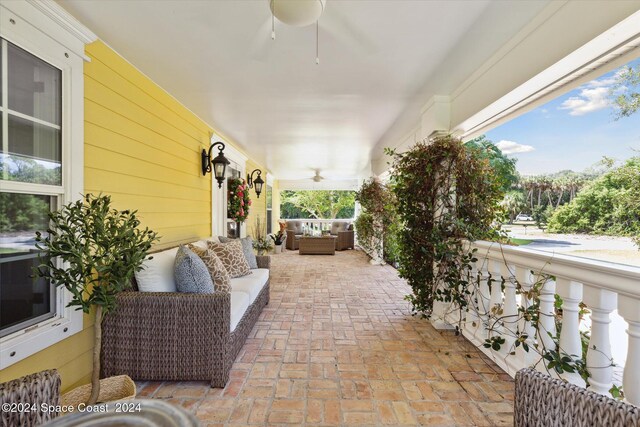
{"points": [[63, 18]]}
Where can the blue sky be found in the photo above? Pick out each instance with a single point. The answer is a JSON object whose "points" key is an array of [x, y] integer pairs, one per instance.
{"points": [[572, 132]]}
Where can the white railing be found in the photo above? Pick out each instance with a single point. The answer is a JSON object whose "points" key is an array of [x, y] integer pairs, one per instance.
{"points": [[603, 287]]}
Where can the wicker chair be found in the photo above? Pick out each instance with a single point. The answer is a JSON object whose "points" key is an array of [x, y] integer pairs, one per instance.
{"points": [[35, 389], [345, 236], [294, 232], [542, 401], [175, 336]]}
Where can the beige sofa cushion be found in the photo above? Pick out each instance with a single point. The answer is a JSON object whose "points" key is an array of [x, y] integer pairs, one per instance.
{"points": [[251, 284], [338, 226], [295, 226], [239, 305]]}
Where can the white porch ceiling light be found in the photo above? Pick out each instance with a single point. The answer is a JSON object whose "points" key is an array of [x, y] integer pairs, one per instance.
{"points": [[298, 13]]}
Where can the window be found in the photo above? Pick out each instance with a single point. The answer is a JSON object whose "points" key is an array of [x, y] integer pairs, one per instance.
{"points": [[221, 225], [41, 165], [31, 154], [269, 200]]}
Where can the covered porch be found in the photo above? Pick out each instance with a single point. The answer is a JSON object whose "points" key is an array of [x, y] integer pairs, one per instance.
{"points": [[335, 341]]}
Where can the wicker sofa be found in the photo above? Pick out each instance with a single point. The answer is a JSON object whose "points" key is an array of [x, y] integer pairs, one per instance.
{"points": [[183, 337]]}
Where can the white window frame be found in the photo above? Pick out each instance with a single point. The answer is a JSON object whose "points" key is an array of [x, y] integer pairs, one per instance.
{"points": [[48, 32], [270, 184], [219, 195]]}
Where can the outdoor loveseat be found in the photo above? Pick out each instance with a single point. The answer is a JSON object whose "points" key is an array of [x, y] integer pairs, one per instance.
{"points": [[182, 336]]}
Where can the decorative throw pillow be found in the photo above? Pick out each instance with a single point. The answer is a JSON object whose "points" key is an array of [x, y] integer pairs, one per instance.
{"points": [[191, 275], [157, 272], [218, 273], [232, 257], [247, 249]]}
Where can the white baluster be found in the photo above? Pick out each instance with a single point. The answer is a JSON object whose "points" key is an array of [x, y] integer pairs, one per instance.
{"points": [[495, 302], [547, 321], [601, 303], [510, 315], [483, 298], [528, 358], [440, 310], [473, 321], [629, 309], [570, 343]]}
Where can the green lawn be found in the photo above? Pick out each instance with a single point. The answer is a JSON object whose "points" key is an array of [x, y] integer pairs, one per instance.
{"points": [[519, 242]]}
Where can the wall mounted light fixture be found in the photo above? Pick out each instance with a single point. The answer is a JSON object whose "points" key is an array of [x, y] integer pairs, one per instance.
{"points": [[258, 182], [219, 163]]}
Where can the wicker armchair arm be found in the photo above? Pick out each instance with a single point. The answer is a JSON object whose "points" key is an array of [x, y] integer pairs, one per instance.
{"points": [[35, 390], [150, 335], [264, 261]]}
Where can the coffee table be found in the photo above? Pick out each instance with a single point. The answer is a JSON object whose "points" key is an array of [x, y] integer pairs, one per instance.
{"points": [[325, 245]]}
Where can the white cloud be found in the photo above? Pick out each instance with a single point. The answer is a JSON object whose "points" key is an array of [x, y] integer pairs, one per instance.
{"points": [[511, 147], [593, 96], [588, 101]]}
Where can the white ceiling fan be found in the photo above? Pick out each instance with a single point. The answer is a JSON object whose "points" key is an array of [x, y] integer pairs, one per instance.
{"points": [[303, 13], [317, 177]]}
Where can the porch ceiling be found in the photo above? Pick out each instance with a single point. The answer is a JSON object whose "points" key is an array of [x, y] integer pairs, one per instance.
{"points": [[380, 61]]}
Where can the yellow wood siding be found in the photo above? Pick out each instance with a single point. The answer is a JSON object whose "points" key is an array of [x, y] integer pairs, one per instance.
{"points": [[143, 148]]}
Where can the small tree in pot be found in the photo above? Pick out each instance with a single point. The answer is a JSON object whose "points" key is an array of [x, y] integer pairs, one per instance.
{"points": [[100, 249]]}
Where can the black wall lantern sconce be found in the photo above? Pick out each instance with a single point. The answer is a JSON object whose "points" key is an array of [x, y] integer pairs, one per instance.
{"points": [[258, 182], [219, 163]]}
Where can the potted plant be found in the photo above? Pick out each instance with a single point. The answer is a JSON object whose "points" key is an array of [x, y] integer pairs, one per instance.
{"points": [[261, 242], [93, 251], [278, 239]]}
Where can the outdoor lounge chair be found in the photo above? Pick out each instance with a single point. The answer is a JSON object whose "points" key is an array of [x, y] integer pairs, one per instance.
{"points": [[35, 389], [541, 400]]}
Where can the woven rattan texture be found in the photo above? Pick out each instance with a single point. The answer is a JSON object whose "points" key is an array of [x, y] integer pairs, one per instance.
{"points": [[176, 337], [542, 401], [345, 240], [318, 245], [35, 389]]}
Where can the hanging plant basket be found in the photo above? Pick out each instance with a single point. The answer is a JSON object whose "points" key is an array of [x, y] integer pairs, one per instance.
{"points": [[120, 387]]}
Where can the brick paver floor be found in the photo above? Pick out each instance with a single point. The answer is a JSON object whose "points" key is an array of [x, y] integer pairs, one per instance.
{"points": [[337, 345]]}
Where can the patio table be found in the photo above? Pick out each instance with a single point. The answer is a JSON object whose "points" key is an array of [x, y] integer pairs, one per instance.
{"points": [[325, 245]]}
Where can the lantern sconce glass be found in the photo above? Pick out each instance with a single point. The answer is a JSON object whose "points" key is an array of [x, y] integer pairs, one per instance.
{"points": [[219, 163], [258, 182]]}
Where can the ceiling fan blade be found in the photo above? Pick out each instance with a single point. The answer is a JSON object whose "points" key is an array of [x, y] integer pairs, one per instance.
{"points": [[340, 27]]}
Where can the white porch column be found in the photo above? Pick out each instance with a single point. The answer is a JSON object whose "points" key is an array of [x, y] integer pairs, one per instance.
{"points": [[436, 116]]}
